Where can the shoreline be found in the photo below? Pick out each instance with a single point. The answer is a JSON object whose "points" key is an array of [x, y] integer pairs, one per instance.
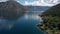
{"points": [[40, 29], [46, 31]]}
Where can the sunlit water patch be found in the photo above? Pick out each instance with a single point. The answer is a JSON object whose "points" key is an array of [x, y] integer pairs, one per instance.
{"points": [[36, 17]]}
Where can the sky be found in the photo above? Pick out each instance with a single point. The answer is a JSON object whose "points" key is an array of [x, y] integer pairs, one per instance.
{"points": [[37, 2]]}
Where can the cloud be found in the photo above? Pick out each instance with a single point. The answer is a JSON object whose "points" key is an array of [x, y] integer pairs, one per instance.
{"points": [[42, 3]]}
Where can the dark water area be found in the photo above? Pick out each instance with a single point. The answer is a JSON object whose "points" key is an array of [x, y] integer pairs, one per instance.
{"points": [[24, 25]]}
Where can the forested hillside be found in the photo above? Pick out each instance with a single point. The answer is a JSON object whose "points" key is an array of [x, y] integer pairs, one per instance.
{"points": [[51, 20]]}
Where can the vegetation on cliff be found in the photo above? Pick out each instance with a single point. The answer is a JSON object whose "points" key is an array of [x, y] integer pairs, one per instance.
{"points": [[51, 20]]}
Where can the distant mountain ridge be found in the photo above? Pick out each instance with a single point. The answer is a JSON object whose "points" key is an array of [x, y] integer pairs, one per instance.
{"points": [[37, 8]]}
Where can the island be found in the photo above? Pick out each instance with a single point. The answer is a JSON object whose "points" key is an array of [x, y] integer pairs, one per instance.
{"points": [[51, 20], [11, 9]]}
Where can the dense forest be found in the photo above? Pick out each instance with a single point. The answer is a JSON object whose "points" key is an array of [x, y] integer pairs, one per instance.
{"points": [[51, 20]]}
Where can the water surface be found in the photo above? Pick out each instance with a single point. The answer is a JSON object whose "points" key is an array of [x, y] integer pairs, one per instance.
{"points": [[24, 25]]}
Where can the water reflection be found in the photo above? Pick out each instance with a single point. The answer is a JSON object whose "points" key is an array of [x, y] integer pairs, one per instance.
{"points": [[36, 17], [24, 25], [6, 24]]}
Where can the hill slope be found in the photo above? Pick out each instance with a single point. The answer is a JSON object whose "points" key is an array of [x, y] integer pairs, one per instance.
{"points": [[54, 11], [51, 20], [11, 9]]}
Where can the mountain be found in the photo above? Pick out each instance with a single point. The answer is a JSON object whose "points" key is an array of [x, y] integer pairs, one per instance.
{"points": [[11, 9], [54, 11], [51, 20], [37, 8]]}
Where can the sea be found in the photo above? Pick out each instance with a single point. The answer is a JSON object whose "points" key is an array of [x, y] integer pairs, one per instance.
{"points": [[27, 24]]}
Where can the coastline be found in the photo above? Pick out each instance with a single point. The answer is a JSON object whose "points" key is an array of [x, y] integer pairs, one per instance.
{"points": [[41, 30], [38, 27], [42, 26], [51, 20]]}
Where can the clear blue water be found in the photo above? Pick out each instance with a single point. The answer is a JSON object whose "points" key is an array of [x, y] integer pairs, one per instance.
{"points": [[24, 25]]}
